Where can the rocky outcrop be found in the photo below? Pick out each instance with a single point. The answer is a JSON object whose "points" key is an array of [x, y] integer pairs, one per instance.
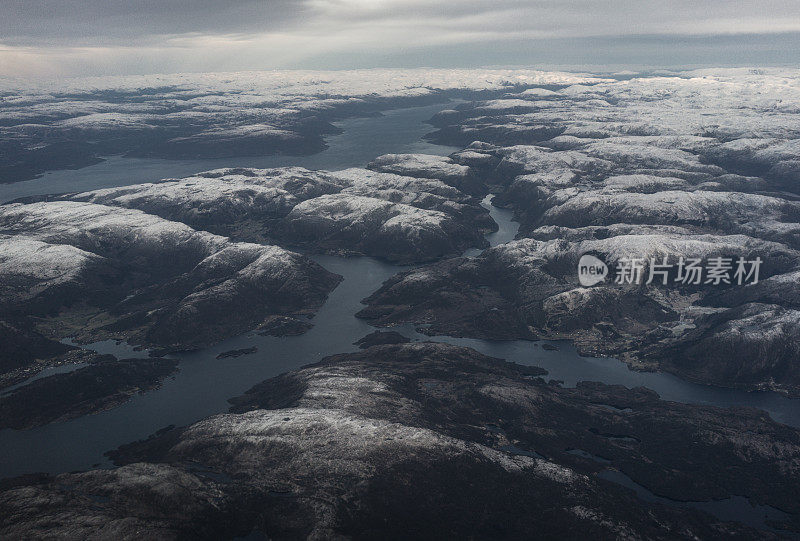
{"points": [[230, 202], [234, 353], [757, 343], [21, 345], [379, 338], [428, 166], [91, 389], [75, 123], [614, 171], [760, 216], [354, 211], [392, 231], [697, 165], [95, 272], [283, 326], [530, 289], [357, 445]]}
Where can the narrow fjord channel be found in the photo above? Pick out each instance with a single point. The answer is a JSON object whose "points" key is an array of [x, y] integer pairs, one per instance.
{"points": [[203, 384]]}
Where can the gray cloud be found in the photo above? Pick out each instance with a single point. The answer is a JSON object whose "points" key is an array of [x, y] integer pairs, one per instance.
{"points": [[41, 37], [78, 22]]}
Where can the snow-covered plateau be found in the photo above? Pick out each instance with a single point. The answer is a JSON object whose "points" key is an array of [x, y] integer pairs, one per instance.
{"points": [[403, 436]]}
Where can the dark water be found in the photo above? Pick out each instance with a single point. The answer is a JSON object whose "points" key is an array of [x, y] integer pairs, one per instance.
{"points": [[49, 371], [736, 508], [566, 365], [506, 231], [203, 384], [398, 131]]}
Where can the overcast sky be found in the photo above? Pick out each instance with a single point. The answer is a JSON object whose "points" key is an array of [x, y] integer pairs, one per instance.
{"points": [[95, 37]]}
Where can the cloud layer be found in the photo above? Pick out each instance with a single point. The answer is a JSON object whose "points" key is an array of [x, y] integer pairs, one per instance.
{"points": [[115, 36]]}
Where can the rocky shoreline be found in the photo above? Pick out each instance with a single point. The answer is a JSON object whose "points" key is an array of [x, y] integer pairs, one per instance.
{"points": [[416, 437], [658, 193], [103, 385], [67, 125], [399, 427], [92, 272]]}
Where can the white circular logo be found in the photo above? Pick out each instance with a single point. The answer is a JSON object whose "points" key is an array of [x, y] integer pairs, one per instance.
{"points": [[591, 270]]}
